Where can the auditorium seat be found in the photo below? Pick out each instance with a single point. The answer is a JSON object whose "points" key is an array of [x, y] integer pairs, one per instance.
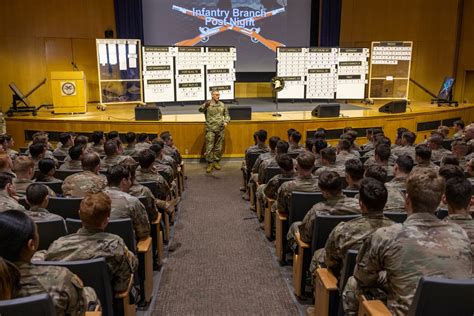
{"points": [[55, 186], [60, 158], [350, 193], [38, 305], [63, 174], [268, 220], [397, 217], [251, 158], [49, 231], [64, 206], [270, 172]]}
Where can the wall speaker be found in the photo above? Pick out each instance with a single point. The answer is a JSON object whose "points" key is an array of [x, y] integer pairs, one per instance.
{"points": [[398, 106], [147, 113], [327, 110], [239, 113]]}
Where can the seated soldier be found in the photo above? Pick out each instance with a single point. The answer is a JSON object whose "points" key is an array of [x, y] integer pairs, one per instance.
{"points": [[344, 152], [87, 181], [460, 150], [91, 241], [458, 129], [6, 164], [336, 203], [435, 142], [407, 145], [470, 170], [8, 196], [142, 142], [146, 172], [8, 146], [113, 135], [113, 154], [47, 168], [401, 170], [449, 159], [169, 148], [18, 242], [396, 198], [270, 189], [295, 147], [444, 130], [350, 235], [123, 204], [354, 173], [370, 141], [351, 134], [423, 158], [164, 159], [289, 132], [66, 141], [159, 166], [319, 144], [370, 156], [399, 137], [309, 144], [24, 170], [98, 140], [37, 197], [272, 143], [328, 161], [131, 139], [41, 137], [74, 161], [37, 152], [259, 147], [382, 157], [394, 258]]}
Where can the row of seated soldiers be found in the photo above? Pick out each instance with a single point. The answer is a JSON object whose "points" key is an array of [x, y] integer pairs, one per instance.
{"points": [[109, 188], [424, 178]]}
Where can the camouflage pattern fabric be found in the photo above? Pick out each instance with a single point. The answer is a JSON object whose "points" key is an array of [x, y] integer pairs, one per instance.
{"points": [[173, 152], [99, 149], [295, 149], [343, 156], [467, 223], [78, 184], [115, 160], [145, 175], [399, 183], [61, 151], [405, 150], [39, 214], [217, 115], [22, 184], [255, 149], [137, 190], [9, 203], [130, 150], [261, 158], [429, 165], [438, 154], [164, 170], [301, 184], [71, 165], [339, 169]]}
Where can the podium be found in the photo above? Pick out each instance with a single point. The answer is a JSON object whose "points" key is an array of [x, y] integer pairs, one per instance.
{"points": [[69, 91]]}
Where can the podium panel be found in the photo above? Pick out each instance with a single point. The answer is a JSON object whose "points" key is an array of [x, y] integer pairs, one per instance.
{"points": [[69, 91]]}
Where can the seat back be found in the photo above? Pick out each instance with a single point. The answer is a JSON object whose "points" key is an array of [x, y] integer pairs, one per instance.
{"points": [[55, 186], [60, 157], [49, 231], [73, 225], [283, 180], [440, 296], [251, 158], [447, 143], [38, 305], [270, 172], [93, 273], [142, 200], [350, 193], [323, 226], [348, 268], [397, 217], [441, 213], [63, 174], [64, 206], [301, 203], [152, 186]]}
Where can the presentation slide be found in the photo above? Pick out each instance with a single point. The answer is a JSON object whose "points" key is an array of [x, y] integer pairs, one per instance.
{"points": [[255, 27]]}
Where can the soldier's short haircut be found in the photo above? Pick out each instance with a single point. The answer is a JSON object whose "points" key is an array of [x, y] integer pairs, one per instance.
{"points": [[423, 151], [75, 152], [354, 168], [5, 178], [273, 141], [94, 209], [319, 145], [309, 143], [285, 162], [344, 144], [373, 194], [146, 158], [36, 193], [282, 147], [290, 131], [305, 160], [111, 147], [449, 159], [159, 141], [165, 136], [16, 229], [116, 173], [410, 137], [377, 131], [296, 136], [329, 154], [4, 160], [81, 140], [436, 139], [400, 131], [459, 123], [331, 182], [377, 172], [45, 165], [112, 135], [352, 134], [444, 130], [460, 146], [381, 139], [320, 134], [405, 163], [157, 148], [37, 149], [458, 193], [64, 138], [383, 151], [90, 161], [142, 137], [451, 171], [262, 135], [425, 189], [23, 164], [130, 137], [97, 137]]}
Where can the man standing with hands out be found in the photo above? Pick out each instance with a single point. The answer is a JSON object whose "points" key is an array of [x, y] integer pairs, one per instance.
{"points": [[217, 118]]}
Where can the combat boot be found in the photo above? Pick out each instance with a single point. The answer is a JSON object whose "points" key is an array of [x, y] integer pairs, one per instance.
{"points": [[209, 167], [217, 166]]}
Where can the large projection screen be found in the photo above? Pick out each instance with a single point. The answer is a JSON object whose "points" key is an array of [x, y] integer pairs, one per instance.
{"points": [[254, 27]]}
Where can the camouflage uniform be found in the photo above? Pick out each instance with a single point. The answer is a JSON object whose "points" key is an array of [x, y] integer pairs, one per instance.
{"points": [[217, 115], [399, 183], [405, 150], [69, 295], [429, 165], [467, 223], [141, 146], [61, 151], [22, 184], [335, 205], [267, 163], [12, 153], [339, 169], [343, 156], [49, 179], [347, 236], [78, 184], [39, 214], [126, 206], [164, 170], [295, 149], [88, 244], [168, 161], [9, 203], [317, 161], [422, 246], [255, 149], [97, 148], [371, 161], [115, 160], [270, 189], [438, 154], [368, 146], [130, 150], [71, 165], [145, 175], [301, 184], [173, 152], [458, 135], [138, 190], [261, 158]]}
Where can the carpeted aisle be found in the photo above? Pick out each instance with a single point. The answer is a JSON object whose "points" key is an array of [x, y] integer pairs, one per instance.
{"points": [[222, 266]]}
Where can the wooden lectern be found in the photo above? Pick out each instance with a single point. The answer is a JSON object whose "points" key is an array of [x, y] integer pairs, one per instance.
{"points": [[69, 91]]}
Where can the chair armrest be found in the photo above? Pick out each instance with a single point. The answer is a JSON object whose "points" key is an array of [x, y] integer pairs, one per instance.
{"points": [[282, 217], [96, 313], [372, 308], [125, 293], [144, 244], [328, 279], [270, 200], [157, 221], [300, 243]]}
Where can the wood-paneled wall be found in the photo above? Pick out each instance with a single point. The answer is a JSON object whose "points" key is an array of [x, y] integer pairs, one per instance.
{"points": [[40, 36], [465, 86]]}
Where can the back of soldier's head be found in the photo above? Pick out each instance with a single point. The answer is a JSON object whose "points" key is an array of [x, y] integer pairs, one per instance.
{"points": [[436, 140], [424, 190], [23, 164], [344, 144], [458, 193], [97, 137], [75, 152], [262, 135], [273, 141], [64, 138], [383, 151], [143, 137], [296, 136], [285, 162], [405, 163], [444, 130], [81, 140], [331, 182], [305, 161], [290, 131], [354, 168], [90, 161], [111, 147], [146, 158], [309, 143], [16, 230], [36, 193], [451, 171], [95, 209], [45, 165], [460, 147], [449, 159], [37, 149], [5, 161], [130, 137], [157, 148], [329, 154], [319, 145], [159, 141], [282, 147], [373, 195], [377, 172], [165, 136], [409, 137], [459, 124], [115, 175], [423, 152], [112, 135], [381, 139], [320, 133]]}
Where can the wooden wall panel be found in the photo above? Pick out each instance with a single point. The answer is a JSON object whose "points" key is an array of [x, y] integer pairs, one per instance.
{"points": [[464, 90]]}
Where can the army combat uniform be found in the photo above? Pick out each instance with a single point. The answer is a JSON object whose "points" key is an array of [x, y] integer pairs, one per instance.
{"points": [[38, 214], [78, 184], [300, 184], [422, 246], [217, 115], [115, 160], [71, 165], [9, 203], [467, 223]]}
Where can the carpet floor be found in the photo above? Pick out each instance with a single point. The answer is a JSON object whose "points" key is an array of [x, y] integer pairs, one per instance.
{"points": [[221, 265]]}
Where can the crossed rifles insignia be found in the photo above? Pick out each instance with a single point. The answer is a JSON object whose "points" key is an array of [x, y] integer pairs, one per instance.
{"points": [[224, 26]]}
